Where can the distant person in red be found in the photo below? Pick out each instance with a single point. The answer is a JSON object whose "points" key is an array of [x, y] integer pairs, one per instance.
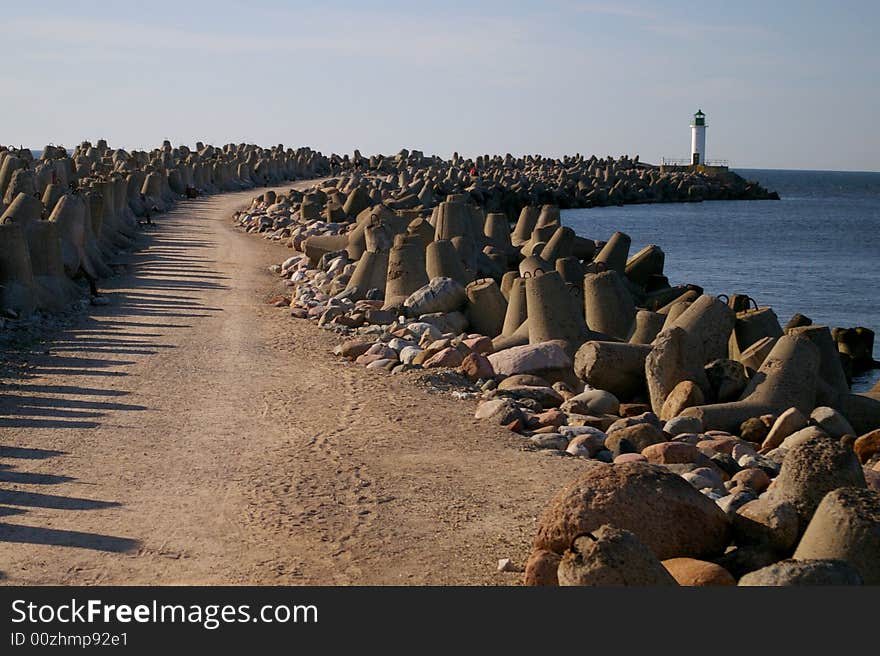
{"points": [[474, 169]]}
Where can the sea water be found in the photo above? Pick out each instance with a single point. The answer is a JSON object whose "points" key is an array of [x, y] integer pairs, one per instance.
{"points": [[816, 251]]}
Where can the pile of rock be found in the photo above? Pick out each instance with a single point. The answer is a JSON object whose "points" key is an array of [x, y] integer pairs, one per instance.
{"points": [[66, 217], [506, 184], [588, 351]]}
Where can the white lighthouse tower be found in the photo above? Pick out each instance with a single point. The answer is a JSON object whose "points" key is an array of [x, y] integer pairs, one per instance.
{"points": [[698, 138]]}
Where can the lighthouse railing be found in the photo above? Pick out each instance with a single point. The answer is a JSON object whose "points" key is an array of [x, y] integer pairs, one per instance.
{"points": [[678, 161]]}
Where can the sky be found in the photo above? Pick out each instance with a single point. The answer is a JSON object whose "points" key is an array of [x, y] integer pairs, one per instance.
{"points": [[784, 84]]}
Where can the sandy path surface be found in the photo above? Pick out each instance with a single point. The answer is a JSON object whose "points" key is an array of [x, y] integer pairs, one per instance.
{"points": [[189, 433]]}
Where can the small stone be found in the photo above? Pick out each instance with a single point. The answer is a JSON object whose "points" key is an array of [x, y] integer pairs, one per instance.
{"points": [[672, 453], [506, 565], [547, 397], [867, 446], [499, 411], [736, 500], [586, 446], [641, 436], [633, 409], [748, 558], [686, 394], [832, 422], [679, 425], [550, 418], [754, 430], [790, 421], [753, 478], [803, 572], [693, 572], [541, 568], [549, 441], [767, 521], [592, 402], [475, 365], [629, 457], [448, 357], [353, 348]]}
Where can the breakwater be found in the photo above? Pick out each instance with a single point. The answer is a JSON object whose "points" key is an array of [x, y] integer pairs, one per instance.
{"points": [[699, 412], [66, 216]]}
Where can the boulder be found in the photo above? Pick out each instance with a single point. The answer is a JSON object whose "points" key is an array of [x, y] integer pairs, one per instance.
{"points": [[769, 522], [664, 511], [499, 411], [592, 402], [439, 295], [530, 358], [609, 556]]}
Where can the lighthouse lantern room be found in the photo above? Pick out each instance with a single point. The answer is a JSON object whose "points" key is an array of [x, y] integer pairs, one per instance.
{"points": [[698, 138]]}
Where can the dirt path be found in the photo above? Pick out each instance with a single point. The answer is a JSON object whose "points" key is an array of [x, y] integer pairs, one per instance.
{"points": [[188, 433]]}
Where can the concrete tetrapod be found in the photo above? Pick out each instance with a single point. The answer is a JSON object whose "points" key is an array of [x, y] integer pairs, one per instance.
{"points": [[507, 282], [787, 378], [646, 327], [751, 326], [553, 313], [753, 356], [371, 272], [615, 252], [608, 305], [23, 210], [452, 220], [516, 312], [18, 291], [697, 336], [442, 261], [708, 323], [560, 244], [79, 250], [497, 230], [486, 307], [646, 263], [55, 290], [833, 389], [846, 526], [615, 367], [406, 270], [528, 219]]}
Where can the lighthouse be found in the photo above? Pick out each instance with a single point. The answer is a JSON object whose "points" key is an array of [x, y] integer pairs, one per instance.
{"points": [[698, 138]]}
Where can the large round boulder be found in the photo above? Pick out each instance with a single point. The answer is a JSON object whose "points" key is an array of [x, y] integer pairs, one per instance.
{"points": [[662, 509]]}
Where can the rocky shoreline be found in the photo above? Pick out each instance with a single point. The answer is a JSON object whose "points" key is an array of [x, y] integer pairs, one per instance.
{"points": [[718, 445]]}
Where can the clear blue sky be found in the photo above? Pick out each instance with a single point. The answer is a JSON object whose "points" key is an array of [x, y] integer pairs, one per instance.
{"points": [[784, 84]]}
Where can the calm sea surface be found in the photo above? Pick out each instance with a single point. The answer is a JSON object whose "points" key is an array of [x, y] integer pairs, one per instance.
{"points": [[816, 251]]}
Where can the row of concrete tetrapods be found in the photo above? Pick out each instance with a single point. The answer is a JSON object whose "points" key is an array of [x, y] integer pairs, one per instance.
{"points": [[67, 216], [628, 330]]}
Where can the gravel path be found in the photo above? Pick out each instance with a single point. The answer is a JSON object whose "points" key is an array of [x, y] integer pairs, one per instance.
{"points": [[189, 433]]}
